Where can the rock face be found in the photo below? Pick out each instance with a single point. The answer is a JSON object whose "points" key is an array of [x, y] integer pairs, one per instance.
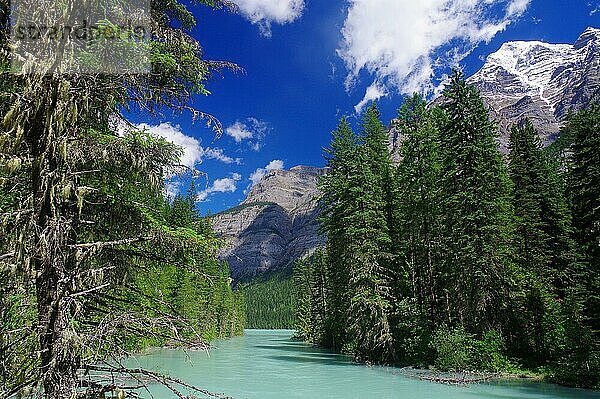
{"points": [[541, 81], [275, 225]]}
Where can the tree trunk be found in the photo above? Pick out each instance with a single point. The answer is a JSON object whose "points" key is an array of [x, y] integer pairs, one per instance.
{"points": [[53, 261]]}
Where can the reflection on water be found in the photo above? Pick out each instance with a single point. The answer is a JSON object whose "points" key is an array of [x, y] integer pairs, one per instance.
{"points": [[267, 364]]}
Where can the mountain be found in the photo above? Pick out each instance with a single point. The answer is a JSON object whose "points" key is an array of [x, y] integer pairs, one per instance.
{"points": [[277, 223], [274, 225], [541, 81]]}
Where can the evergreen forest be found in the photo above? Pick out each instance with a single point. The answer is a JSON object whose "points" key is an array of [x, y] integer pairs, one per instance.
{"points": [[457, 256], [270, 302]]}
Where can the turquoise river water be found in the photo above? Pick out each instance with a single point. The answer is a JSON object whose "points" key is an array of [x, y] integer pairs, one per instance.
{"points": [[268, 364]]}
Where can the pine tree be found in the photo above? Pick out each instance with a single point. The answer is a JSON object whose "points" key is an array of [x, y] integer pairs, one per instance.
{"points": [[417, 213], [584, 179], [477, 212], [335, 187]]}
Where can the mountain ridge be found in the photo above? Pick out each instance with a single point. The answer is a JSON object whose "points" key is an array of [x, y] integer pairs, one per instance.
{"points": [[276, 223], [540, 80]]}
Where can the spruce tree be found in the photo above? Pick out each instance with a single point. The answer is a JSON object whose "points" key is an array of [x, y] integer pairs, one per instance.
{"points": [[584, 179], [312, 293], [477, 212], [371, 297], [542, 247], [417, 211], [335, 188], [526, 173]]}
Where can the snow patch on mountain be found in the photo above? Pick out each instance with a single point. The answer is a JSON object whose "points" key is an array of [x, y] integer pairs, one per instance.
{"points": [[525, 78]]}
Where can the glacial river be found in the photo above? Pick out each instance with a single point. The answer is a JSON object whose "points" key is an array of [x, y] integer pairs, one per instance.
{"points": [[267, 364]]}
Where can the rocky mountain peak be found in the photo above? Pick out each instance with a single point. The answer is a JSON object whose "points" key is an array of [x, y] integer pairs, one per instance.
{"points": [[540, 80], [589, 36], [276, 223], [289, 189]]}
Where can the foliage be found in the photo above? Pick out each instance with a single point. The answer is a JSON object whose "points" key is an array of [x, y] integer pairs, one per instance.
{"points": [[460, 257], [270, 302], [355, 196], [455, 349], [459, 350], [477, 212], [584, 186], [416, 228], [311, 294], [85, 232]]}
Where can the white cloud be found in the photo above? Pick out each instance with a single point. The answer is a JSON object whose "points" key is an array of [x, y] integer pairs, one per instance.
{"points": [[193, 152], [265, 12], [239, 132], [406, 44], [374, 92], [517, 7], [172, 188], [259, 173], [225, 185], [252, 129], [219, 155]]}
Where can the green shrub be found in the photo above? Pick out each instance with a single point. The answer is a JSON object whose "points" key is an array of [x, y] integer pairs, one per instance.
{"points": [[455, 349], [459, 350], [579, 365], [489, 354]]}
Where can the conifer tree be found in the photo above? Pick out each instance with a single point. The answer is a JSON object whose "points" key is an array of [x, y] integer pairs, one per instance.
{"points": [[370, 290], [543, 243], [417, 209], [543, 247], [336, 188], [87, 201], [584, 179], [312, 291], [477, 212]]}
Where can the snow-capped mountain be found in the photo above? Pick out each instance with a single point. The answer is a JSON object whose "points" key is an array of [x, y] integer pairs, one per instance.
{"points": [[541, 81]]}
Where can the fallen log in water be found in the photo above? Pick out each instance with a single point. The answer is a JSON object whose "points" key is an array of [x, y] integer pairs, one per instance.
{"points": [[456, 378]]}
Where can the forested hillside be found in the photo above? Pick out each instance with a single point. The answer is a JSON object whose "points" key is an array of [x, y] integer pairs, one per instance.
{"points": [[270, 302], [459, 257]]}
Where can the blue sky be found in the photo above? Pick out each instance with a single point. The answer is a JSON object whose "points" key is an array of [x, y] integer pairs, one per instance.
{"points": [[308, 62]]}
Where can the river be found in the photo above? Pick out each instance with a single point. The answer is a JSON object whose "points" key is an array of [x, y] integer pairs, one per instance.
{"points": [[268, 364]]}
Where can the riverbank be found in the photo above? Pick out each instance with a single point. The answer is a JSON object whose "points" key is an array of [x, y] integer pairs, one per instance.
{"points": [[469, 377], [268, 364]]}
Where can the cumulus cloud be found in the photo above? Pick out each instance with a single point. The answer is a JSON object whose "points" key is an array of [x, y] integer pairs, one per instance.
{"points": [[219, 155], [225, 185], [266, 12], [411, 42], [252, 130], [193, 152], [259, 173]]}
